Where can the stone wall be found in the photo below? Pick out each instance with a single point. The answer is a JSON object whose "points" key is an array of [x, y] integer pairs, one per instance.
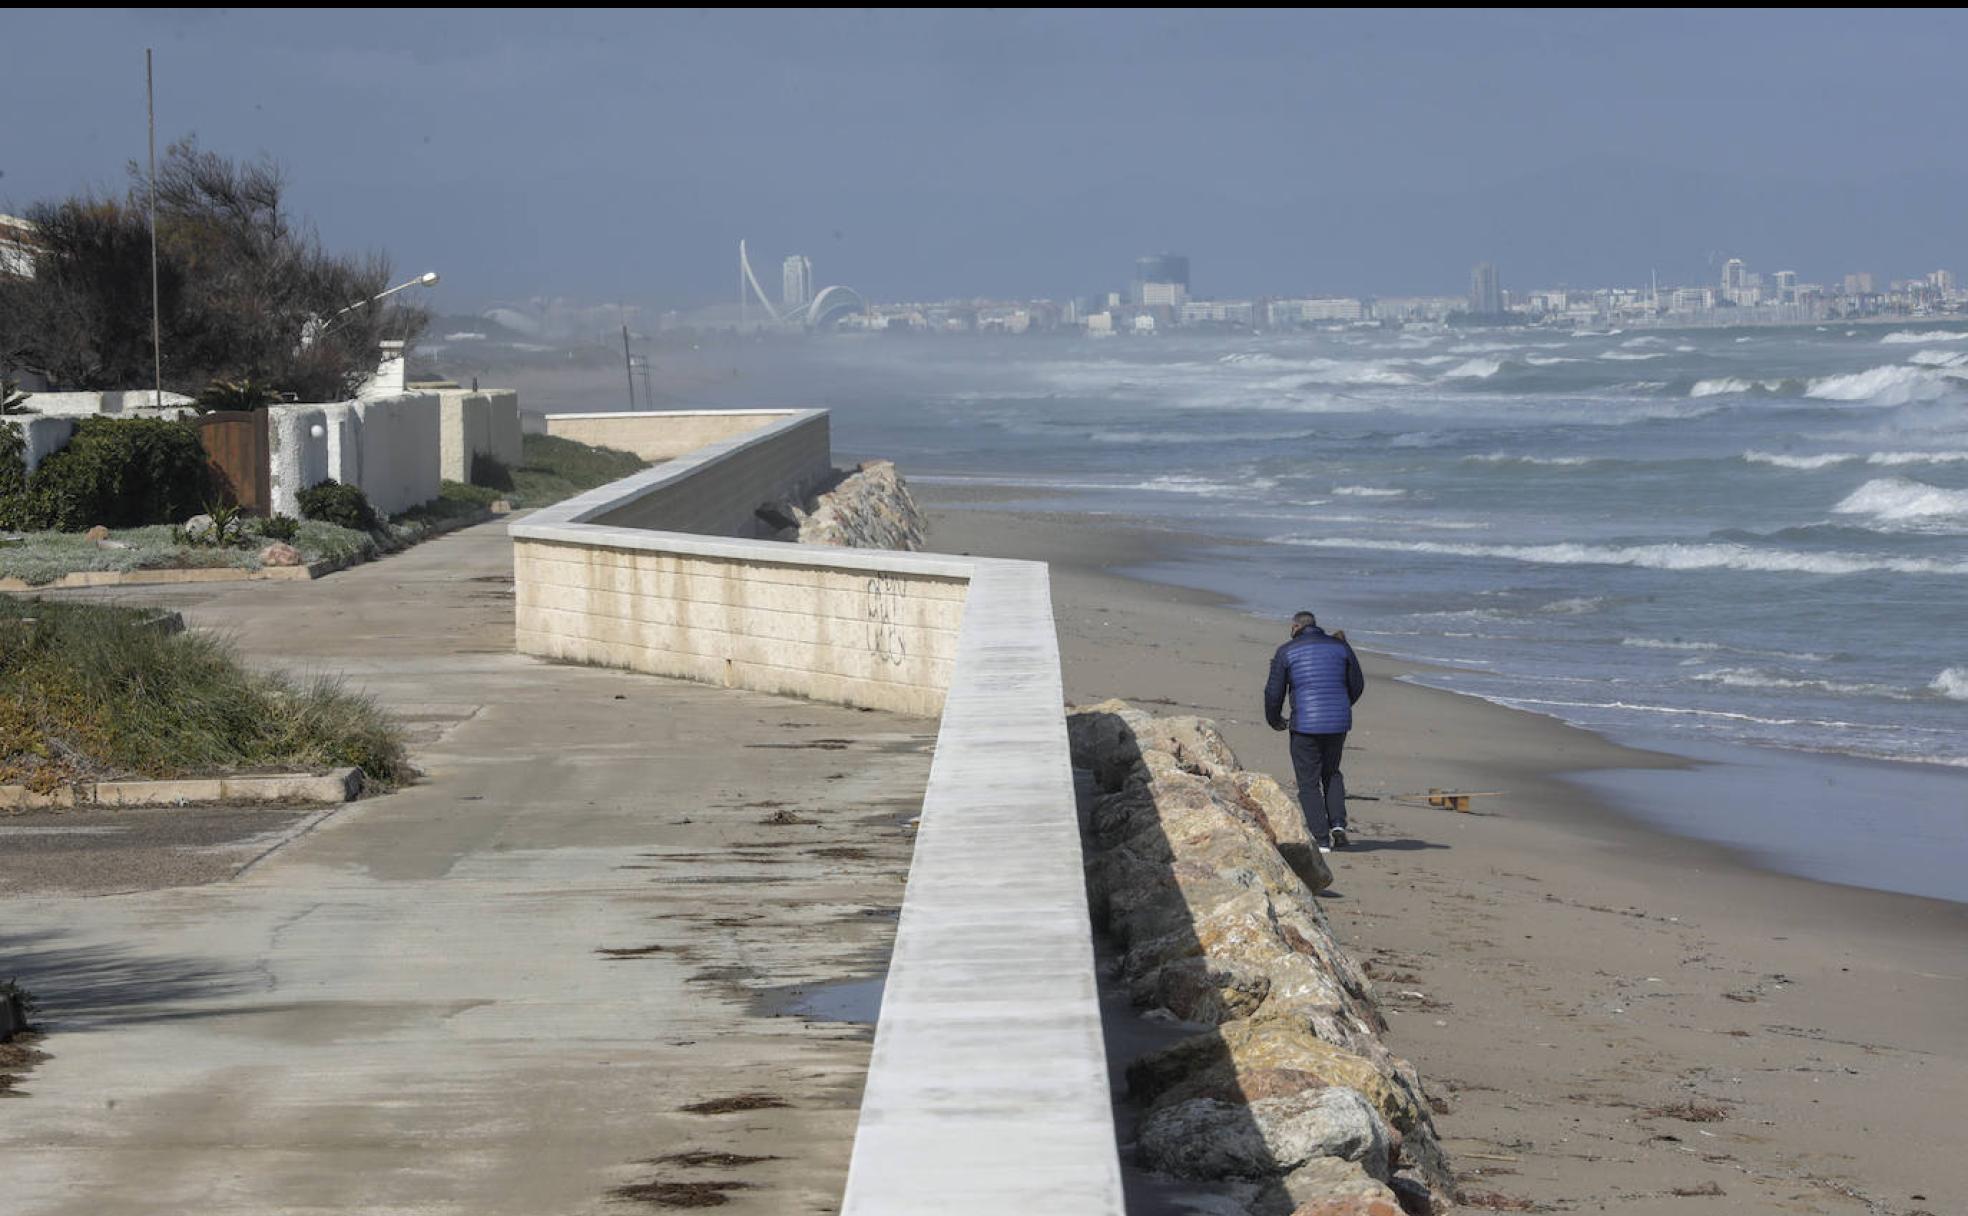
{"points": [[387, 445], [660, 434], [1203, 874]]}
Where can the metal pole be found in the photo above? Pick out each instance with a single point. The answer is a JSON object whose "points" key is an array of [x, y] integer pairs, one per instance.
{"points": [[156, 326], [630, 365]]}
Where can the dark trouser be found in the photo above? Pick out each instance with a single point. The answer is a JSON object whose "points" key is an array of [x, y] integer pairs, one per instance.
{"points": [[1321, 789]]}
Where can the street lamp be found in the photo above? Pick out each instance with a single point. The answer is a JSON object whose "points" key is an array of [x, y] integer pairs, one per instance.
{"points": [[316, 327]]}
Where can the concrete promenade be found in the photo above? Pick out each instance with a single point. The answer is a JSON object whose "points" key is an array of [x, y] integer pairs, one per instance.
{"points": [[413, 1008]]}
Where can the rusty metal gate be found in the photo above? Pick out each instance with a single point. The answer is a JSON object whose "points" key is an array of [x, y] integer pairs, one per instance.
{"points": [[236, 451]]}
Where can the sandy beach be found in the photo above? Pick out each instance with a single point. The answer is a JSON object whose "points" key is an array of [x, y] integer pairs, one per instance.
{"points": [[1612, 1018]]}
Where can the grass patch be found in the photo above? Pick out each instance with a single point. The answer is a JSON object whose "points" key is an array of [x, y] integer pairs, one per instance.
{"points": [[92, 692], [551, 468]]}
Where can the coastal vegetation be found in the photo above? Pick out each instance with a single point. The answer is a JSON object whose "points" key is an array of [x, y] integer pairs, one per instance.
{"points": [[552, 468], [246, 293], [95, 692]]}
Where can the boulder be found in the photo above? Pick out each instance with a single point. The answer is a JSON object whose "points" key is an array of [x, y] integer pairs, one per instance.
{"points": [[280, 553], [1211, 1065], [201, 529], [1204, 1138], [1332, 1187]]}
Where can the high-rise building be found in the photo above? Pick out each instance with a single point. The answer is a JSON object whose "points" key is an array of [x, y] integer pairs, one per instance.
{"points": [[1735, 276], [1485, 290], [796, 282], [1786, 286], [1859, 284], [1164, 271], [1941, 280]]}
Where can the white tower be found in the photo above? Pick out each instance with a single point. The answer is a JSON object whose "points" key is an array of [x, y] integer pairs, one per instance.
{"points": [[796, 283]]}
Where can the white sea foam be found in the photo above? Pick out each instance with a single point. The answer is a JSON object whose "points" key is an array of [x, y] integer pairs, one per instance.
{"points": [[1720, 386], [1645, 340], [1906, 337], [1549, 360], [1661, 644], [1893, 384], [1513, 458], [1822, 461], [1903, 500], [1368, 492], [1898, 458], [1701, 556], [1752, 677], [1633, 356], [1203, 486], [1939, 358], [1952, 683], [1577, 606], [1473, 369]]}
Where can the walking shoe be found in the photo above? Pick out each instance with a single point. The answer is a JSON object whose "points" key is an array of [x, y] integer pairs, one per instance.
{"points": [[1324, 845], [1339, 838]]}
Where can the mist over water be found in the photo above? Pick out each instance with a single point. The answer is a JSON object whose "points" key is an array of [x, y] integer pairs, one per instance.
{"points": [[1747, 536]]}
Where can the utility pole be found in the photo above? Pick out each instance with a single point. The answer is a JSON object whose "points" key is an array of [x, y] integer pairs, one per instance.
{"points": [[156, 326], [628, 364]]}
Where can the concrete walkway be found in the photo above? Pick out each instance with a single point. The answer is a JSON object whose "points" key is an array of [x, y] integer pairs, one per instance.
{"points": [[413, 1008]]}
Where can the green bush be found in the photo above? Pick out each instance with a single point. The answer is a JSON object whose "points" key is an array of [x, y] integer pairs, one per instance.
{"points": [[486, 471], [119, 472], [13, 479], [89, 691], [334, 503], [280, 527], [552, 468]]}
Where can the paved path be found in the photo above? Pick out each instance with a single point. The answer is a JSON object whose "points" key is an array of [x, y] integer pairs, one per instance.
{"points": [[411, 1007]]}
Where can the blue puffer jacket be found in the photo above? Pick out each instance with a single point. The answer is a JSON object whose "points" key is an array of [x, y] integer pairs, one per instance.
{"points": [[1324, 678]]}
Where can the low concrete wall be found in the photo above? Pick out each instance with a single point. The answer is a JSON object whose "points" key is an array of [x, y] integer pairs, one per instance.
{"points": [[41, 436], [137, 402], [659, 434], [473, 423], [389, 446], [987, 1092]]}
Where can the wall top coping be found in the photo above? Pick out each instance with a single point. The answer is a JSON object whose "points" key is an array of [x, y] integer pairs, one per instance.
{"points": [[682, 413]]}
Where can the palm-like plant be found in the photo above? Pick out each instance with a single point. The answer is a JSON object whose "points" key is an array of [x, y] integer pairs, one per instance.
{"points": [[244, 393], [12, 399]]}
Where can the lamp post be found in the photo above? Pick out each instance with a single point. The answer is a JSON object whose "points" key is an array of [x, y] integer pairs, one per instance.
{"points": [[316, 327]]}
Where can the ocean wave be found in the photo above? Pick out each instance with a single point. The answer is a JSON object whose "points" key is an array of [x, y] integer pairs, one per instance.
{"points": [[1677, 557], [1752, 677], [1722, 386], [1892, 384], [1676, 644], [1952, 683], [1549, 360], [1907, 337], [1633, 356], [1895, 458], [1903, 500], [1939, 358], [1513, 458], [1576, 606], [1368, 492], [1473, 369], [1645, 340], [1821, 461], [1687, 711], [1203, 486]]}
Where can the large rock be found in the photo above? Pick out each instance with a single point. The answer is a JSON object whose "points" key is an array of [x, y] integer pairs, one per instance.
{"points": [[280, 553], [869, 509], [1331, 1187], [1212, 1065], [1206, 1138]]}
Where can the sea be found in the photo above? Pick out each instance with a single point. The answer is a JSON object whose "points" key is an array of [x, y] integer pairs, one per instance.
{"points": [[1699, 540]]}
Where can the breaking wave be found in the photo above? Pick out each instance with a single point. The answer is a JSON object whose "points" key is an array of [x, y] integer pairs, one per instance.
{"points": [[1952, 683], [1513, 458], [1903, 500], [1627, 356], [1701, 556], [1368, 492], [1473, 369], [1781, 461], [1939, 358], [1907, 336], [1893, 384], [1751, 677]]}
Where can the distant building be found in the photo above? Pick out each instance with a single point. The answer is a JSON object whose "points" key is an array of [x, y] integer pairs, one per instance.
{"points": [[1163, 268], [17, 246], [1941, 281], [1162, 295], [1485, 290], [1144, 324], [1859, 284], [1735, 276], [1217, 312], [796, 282], [1691, 299], [1286, 313], [1786, 286], [1100, 323]]}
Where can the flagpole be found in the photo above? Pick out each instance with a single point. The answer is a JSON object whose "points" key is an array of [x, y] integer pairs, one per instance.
{"points": [[156, 327]]}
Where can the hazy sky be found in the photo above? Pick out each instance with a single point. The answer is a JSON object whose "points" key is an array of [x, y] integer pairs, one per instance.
{"points": [[621, 155]]}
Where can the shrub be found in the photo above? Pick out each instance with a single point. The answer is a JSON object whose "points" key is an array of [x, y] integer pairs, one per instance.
{"points": [[486, 471], [13, 479], [552, 468], [90, 691], [280, 527], [244, 393], [334, 503], [119, 472]]}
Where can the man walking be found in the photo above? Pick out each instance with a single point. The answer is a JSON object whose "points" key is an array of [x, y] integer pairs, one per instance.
{"points": [[1323, 676]]}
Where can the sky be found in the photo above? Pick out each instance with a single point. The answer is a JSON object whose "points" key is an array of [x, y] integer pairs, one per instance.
{"points": [[614, 155]]}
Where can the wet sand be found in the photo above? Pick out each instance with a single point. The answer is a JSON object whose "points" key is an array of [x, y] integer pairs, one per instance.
{"points": [[1613, 1018]]}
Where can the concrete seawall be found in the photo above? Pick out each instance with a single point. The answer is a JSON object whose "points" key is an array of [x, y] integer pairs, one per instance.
{"points": [[988, 1089]]}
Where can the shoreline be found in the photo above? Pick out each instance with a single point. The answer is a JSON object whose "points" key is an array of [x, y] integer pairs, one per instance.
{"points": [[1566, 974]]}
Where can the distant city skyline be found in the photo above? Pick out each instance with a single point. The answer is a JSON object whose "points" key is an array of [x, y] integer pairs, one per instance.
{"points": [[606, 155]]}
